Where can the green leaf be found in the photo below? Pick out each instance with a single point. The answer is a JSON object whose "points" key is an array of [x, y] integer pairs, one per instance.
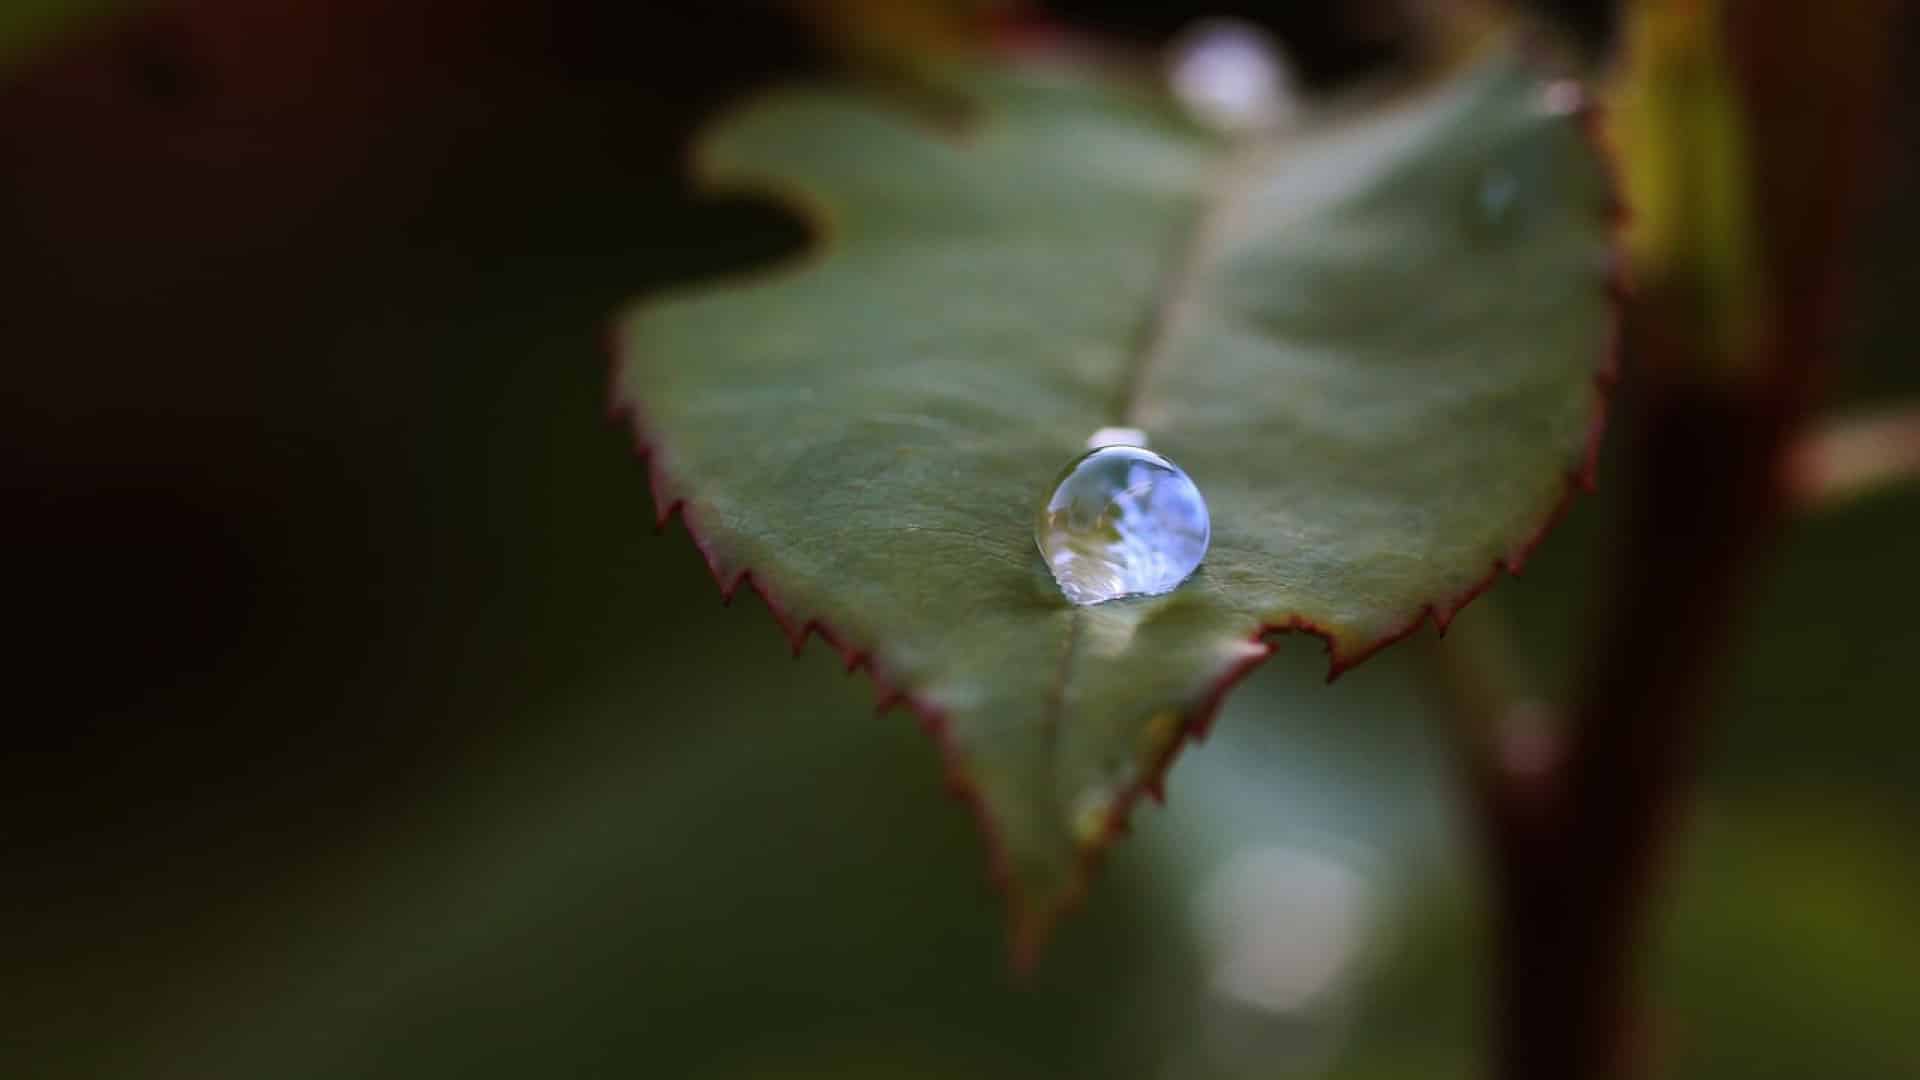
{"points": [[1372, 343]]}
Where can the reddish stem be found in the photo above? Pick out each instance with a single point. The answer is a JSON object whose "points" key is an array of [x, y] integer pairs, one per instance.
{"points": [[1576, 852]]}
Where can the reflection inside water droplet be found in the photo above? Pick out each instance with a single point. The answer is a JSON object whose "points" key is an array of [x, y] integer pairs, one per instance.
{"points": [[1122, 521]]}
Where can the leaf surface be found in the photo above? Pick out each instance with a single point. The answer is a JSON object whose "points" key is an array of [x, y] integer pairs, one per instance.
{"points": [[1377, 345]]}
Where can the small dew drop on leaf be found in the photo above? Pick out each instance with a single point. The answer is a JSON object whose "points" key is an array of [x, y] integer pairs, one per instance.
{"points": [[1230, 75], [1507, 192], [1497, 197], [1122, 521]]}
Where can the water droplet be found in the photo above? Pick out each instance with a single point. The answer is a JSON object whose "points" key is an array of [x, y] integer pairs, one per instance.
{"points": [[1515, 186], [1122, 521], [1230, 74], [1498, 196]]}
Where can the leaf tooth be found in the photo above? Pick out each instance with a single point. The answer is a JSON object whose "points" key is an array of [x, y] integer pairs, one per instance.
{"points": [[852, 657], [665, 515], [794, 630], [665, 503]]}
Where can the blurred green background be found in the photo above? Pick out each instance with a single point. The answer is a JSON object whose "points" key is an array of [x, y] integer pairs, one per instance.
{"points": [[365, 726]]}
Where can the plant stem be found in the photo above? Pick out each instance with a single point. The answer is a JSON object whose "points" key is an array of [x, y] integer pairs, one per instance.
{"points": [[1575, 860]]}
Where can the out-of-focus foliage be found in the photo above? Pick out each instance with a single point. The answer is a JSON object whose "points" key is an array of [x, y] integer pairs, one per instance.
{"points": [[1322, 328], [903, 31], [1747, 135], [1681, 133], [29, 26]]}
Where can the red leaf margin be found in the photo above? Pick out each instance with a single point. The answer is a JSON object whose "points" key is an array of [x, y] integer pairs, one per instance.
{"points": [[1029, 925]]}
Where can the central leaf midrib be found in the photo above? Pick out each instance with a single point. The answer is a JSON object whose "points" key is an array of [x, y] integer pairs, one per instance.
{"points": [[1174, 296], [1179, 282]]}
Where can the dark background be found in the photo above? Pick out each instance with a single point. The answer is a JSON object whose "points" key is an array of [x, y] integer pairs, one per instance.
{"points": [[362, 725]]}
